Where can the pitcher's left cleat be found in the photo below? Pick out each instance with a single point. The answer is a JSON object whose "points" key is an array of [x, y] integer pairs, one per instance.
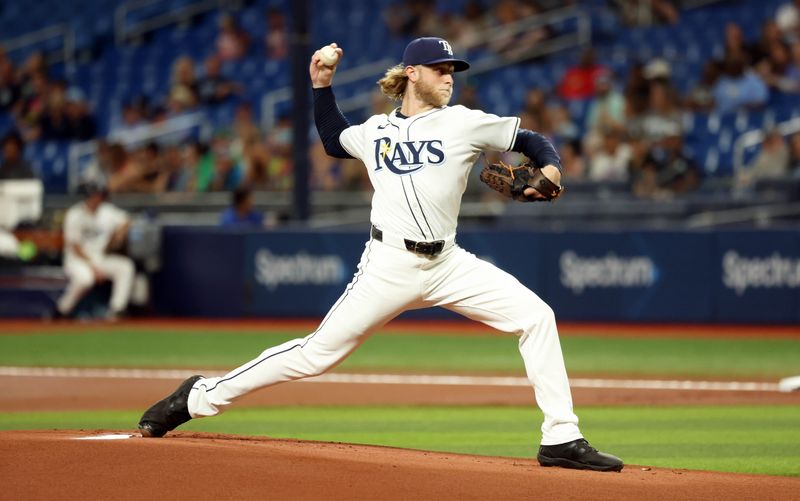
{"points": [[578, 455], [169, 413]]}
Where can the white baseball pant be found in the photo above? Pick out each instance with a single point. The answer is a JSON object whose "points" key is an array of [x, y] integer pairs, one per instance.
{"points": [[389, 281], [119, 269], [9, 245]]}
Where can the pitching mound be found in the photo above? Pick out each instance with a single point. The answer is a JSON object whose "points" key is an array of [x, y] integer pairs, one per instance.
{"points": [[64, 465]]}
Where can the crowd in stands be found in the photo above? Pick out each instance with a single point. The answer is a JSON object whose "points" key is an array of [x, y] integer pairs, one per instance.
{"points": [[632, 134], [634, 129]]}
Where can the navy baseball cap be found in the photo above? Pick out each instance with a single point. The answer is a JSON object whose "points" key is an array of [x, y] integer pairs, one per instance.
{"points": [[432, 50]]}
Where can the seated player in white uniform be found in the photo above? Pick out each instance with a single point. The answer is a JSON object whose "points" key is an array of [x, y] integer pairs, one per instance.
{"points": [[93, 229], [418, 158]]}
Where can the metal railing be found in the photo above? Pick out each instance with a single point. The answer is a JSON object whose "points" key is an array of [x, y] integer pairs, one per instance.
{"points": [[124, 31], [581, 36], [171, 131], [760, 215], [63, 31]]}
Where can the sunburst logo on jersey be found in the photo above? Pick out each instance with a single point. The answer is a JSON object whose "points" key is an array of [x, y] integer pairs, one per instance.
{"points": [[385, 148]]}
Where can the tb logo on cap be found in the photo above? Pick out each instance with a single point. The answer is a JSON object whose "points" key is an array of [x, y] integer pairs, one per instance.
{"points": [[446, 46]]}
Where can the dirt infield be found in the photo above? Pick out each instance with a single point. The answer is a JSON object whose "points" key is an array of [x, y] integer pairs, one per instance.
{"points": [[53, 465]]}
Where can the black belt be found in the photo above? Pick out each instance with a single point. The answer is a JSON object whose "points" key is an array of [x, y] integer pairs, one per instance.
{"points": [[426, 248]]}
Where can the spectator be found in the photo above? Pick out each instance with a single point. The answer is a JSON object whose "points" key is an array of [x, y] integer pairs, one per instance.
{"points": [[126, 172], [248, 146], [666, 169], [14, 165], [34, 65], [213, 88], [65, 116], [774, 69], [10, 91], [94, 232], [787, 18], [610, 162], [244, 126], [279, 143], [276, 40], [34, 101], [770, 163], [637, 91], [736, 46], [134, 114], [561, 124], [241, 214], [183, 92], [198, 161], [770, 36], [536, 105], [232, 42], [738, 88], [325, 169], [153, 177], [607, 110], [657, 70], [81, 123], [227, 169], [663, 115], [172, 177], [701, 96], [793, 73], [579, 80], [572, 162]]}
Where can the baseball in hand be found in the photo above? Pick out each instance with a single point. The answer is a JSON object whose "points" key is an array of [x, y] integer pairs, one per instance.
{"points": [[328, 56]]}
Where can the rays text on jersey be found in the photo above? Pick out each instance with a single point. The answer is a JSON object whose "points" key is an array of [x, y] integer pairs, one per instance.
{"points": [[406, 157]]}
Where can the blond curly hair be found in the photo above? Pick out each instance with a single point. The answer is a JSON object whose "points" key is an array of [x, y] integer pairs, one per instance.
{"points": [[394, 82]]}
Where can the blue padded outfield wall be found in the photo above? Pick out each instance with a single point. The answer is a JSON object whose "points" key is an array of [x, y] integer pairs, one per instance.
{"points": [[736, 276]]}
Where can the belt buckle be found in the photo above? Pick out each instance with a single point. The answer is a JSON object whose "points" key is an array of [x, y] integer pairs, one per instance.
{"points": [[429, 248]]}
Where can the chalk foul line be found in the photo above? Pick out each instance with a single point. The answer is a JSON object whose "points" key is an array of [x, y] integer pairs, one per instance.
{"points": [[409, 379]]}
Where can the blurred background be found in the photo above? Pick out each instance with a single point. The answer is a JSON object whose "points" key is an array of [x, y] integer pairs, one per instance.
{"points": [[677, 121]]}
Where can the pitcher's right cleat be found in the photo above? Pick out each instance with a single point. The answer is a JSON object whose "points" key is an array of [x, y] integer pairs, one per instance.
{"points": [[169, 413], [578, 455]]}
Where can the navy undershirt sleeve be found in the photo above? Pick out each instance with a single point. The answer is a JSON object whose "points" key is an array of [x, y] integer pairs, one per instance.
{"points": [[536, 147], [330, 122]]}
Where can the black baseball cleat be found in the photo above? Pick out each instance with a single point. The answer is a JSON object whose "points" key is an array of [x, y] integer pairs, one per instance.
{"points": [[578, 455], [169, 413]]}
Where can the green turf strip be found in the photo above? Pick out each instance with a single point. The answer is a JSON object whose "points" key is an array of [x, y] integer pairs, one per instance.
{"points": [[411, 353], [745, 439]]}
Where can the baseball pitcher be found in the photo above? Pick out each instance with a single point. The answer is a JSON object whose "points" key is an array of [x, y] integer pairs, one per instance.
{"points": [[418, 158]]}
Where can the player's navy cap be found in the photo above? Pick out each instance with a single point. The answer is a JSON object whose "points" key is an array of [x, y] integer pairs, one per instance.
{"points": [[432, 50]]}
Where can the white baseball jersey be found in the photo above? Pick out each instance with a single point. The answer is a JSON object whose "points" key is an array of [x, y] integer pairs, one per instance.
{"points": [[415, 162], [92, 231]]}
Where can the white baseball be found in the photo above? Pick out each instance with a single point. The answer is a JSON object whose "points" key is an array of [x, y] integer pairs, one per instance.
{"points": [[328, 56]]}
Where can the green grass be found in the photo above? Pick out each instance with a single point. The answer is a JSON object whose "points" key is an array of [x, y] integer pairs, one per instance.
{"points": [[768, 358], [743, 439]]}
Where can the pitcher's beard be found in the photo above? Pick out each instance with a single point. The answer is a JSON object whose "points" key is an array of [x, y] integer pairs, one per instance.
{"points": [[427, 94]]}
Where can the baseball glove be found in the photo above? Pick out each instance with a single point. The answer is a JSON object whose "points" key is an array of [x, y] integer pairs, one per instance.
{"points": [[512, 181]]}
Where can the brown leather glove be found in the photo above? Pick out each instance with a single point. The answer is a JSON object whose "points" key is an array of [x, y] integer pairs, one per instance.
{"points": [[512, 181]]}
